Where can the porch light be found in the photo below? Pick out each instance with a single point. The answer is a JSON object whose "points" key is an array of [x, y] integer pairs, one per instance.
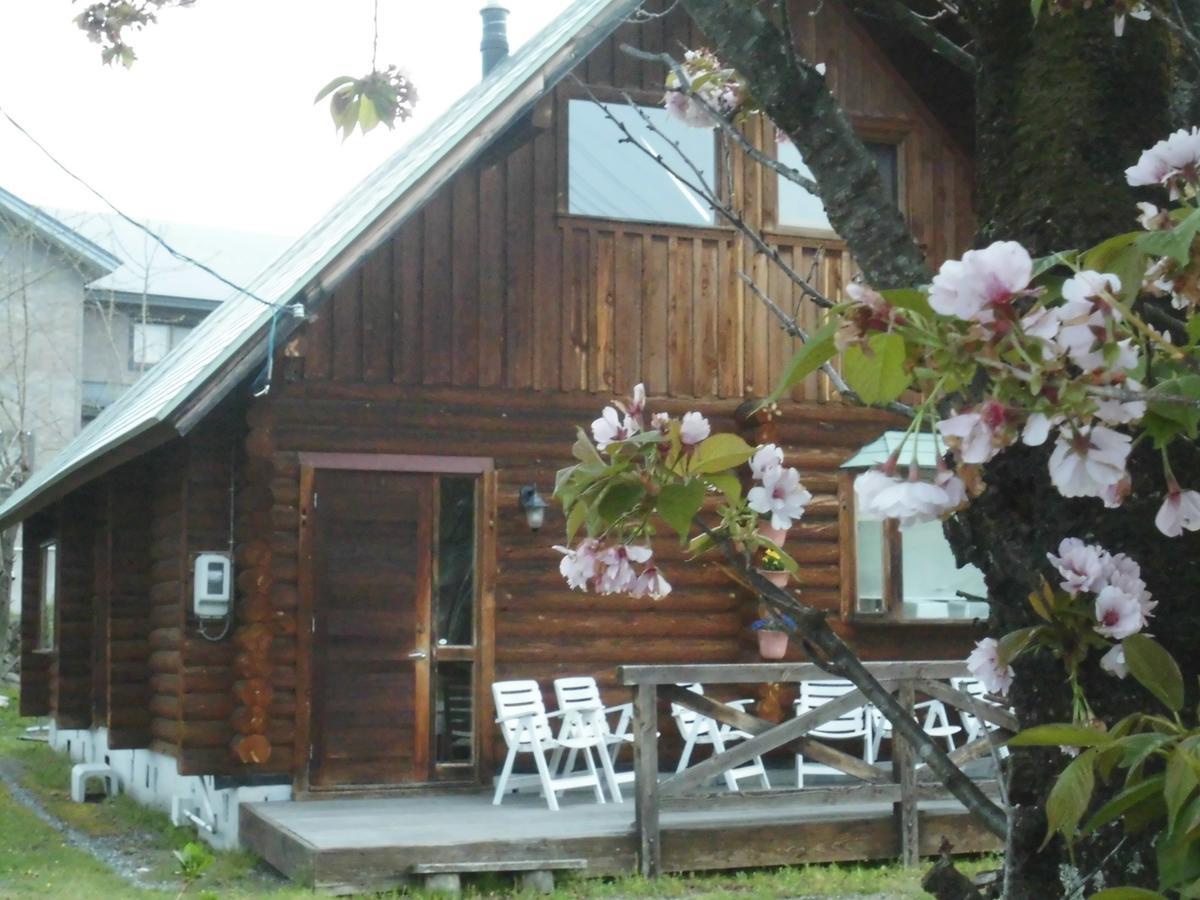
{"points": [[534, 506]]}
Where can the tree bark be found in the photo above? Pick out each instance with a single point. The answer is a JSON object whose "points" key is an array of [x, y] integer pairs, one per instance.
{"points": [[1063, 108], [798, 101]]}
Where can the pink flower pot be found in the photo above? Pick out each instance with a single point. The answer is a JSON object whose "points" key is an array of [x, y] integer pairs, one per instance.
{"points": [[772, 644], [779, 579], [775, 535]]}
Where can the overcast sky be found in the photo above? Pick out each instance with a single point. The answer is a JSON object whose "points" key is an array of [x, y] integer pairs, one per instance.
{"points": [[215, 123]]}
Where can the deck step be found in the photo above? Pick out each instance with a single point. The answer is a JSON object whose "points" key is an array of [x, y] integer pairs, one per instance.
{"points": [[515, 865]]}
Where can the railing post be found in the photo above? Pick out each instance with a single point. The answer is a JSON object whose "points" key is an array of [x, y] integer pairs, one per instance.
{"points": [[645, 763], [904, 770]]}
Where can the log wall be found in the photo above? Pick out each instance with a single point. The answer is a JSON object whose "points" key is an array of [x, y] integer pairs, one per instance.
{"points": [[35, 664], [71, 695]]}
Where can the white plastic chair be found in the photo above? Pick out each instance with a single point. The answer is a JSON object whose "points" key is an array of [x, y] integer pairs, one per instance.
{"points": [[581, 693], [853, 724], [936, 724], [973, 726], [525, 725], [697, 729]]}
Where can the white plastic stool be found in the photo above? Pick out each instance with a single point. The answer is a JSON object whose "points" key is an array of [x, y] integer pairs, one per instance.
{"points": [[82, 773]]}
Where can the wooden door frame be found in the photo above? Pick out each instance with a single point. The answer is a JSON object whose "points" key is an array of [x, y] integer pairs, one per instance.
{"points": [[401, 464]]}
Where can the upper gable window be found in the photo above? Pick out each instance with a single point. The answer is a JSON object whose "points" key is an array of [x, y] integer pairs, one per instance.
{"points": [[800, 209], [615, 180]]}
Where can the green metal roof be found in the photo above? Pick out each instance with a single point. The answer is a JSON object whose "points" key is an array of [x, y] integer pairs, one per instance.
{"points": [[178, 391], [928, 448]]}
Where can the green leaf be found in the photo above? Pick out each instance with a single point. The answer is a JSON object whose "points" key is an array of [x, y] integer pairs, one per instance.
{"points": [[719, 453], [332, 86], [1186, 417], [1136, 748], [1060, 734], [816, 351], [619, 499], [1070, 796], [1122, 802], [1014, 642], [1122, 256], [908, 298], [1044, 264], [576, 518], [1174, 242], [1035, 7], [877, 375], [727, 483], [1155, 668], [1178, 860], [1181, 782], [1127, 893], [678, 503]]}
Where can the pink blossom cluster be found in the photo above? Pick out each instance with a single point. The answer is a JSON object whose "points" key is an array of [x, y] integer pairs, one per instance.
{"points": [[718, 88], [1173, 163], [612, 569], [881, 493], [622, 420], [779, 493], [1122, 603], [984, 664]]}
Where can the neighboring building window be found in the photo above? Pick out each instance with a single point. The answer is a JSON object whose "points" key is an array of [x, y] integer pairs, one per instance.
{"points": [[152, 341], [615, 180], [49, 598], [800, 209], [909, 574]]}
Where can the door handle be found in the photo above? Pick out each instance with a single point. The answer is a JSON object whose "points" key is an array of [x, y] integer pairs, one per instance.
{"points": [[417, 654]]}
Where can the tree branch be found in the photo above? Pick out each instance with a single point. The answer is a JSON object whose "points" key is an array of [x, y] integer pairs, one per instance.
{"points": [[922, 29], [798, 100]]}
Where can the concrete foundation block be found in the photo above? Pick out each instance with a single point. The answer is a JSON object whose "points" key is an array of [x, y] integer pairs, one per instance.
{"points": [[444, 883], [540, 881]]}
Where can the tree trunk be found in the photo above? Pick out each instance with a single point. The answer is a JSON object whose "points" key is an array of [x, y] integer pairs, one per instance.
{"points": [[1063, 109]]}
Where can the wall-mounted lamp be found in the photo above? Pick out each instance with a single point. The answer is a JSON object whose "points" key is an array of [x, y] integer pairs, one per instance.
{"points": [[534, 506]]}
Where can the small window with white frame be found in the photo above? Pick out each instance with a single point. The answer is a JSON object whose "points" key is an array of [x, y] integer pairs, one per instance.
{"points": [[151, 341], [610, 178], [799, 208], [48, 602], [904, 574]]}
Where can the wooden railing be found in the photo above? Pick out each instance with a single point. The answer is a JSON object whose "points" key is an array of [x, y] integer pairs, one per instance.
{"points": [[901, 785]]}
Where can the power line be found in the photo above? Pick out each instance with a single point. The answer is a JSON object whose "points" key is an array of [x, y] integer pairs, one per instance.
{"points": [[178, 254]]}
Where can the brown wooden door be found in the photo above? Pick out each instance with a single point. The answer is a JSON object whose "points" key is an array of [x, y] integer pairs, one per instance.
{"points": [[371, 572]]}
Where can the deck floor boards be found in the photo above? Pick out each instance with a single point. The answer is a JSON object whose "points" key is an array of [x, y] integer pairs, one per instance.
{"points": [[374, 842]]}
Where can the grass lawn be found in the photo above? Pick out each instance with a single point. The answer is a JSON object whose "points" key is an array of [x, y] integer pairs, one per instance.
{"points": [[37, 861]]}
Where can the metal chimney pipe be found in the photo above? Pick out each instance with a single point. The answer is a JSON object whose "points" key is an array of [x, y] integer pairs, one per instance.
{"points": [[494, 47]]}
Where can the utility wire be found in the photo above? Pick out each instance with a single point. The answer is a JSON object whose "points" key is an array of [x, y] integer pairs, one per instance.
{"points": [[178, 254]]}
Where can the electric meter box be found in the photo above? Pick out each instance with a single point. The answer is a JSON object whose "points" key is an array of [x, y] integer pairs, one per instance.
{"points": [[212, 590]]}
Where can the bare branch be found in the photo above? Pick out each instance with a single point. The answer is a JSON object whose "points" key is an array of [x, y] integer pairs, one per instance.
{"points": [[922, 29]]}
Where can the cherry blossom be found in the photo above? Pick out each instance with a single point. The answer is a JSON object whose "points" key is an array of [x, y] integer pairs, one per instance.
{"points": [[1118, 615], [956, 490], [637, 403], [976, 436], [765, 458], [1084, 567], [913, 501], [1036, 430], [650, 584], [1138, 10], [972, 288], [578, 566], [1180, 510], [984, 664], [694, 428], [1114, 495], [1152, 218], [867, 488], [1172, 162], [659, 422], [1088, 460], [1113, 661], [618, 575], [612, 427], [781, 495], [1125, 574]]}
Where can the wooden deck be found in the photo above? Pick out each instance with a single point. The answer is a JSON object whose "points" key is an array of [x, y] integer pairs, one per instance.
{"points": [[350, 844]]}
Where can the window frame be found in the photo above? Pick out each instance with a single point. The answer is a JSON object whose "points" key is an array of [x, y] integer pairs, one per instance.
{"points": [[176, 331], [892, 573], [872, 130], [47, 637], [614, 96]]}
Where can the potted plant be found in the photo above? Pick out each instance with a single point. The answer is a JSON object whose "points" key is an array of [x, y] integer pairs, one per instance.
{"points": [[772, 635], [775, 535], [773, 568]]}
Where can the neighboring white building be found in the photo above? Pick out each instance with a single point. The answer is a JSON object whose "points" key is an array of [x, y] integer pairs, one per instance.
{"points": [[88, 302]]}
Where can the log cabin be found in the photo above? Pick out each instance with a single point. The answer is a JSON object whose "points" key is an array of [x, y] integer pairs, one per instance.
{"points": [[353, 432]]}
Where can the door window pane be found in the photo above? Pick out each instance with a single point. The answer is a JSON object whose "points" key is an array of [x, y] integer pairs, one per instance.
{"points": [[456, 562], [455, 737], [49, 599], [932, 579], [801, 209], [618, 181]]}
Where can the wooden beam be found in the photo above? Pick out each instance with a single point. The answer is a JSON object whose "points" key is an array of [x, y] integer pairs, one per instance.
{"points": [[905, 771], [645, 764], [751, 673], [988, 712]]}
